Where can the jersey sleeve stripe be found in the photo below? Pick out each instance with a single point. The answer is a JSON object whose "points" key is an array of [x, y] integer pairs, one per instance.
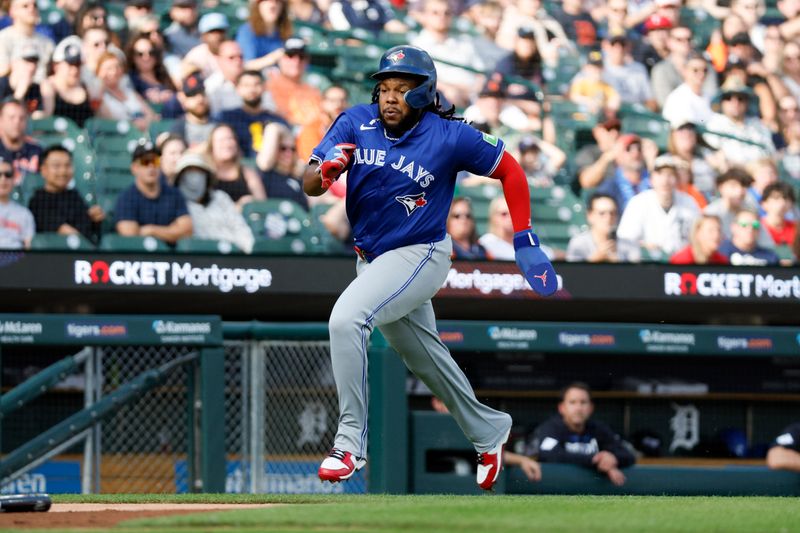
{"points": [[497, 161], [314, 159]]}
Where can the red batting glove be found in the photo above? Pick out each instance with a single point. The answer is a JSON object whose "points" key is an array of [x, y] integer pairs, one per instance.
{"points": [[336, 161]]}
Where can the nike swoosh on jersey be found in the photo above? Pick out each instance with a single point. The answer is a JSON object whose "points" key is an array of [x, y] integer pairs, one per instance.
{"points": [[364, 127]]}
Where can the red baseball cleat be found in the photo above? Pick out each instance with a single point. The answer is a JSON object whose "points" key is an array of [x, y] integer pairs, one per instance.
{"points": [[490, 464], [340, 466]]}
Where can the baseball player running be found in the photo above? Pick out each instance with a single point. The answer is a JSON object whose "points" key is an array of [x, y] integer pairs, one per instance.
{"points": [[403, 152]]}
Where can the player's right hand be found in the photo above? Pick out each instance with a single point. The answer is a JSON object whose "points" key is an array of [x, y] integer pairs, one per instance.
{"points": [[336, 161]]}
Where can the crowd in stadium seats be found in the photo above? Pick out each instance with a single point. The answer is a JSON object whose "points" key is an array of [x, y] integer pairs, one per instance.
{"points": [[650, 130]]}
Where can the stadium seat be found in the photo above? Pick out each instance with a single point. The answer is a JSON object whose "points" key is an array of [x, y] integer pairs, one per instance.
{"points": [[23, 193], [785, 252], [159, 127], [275, 219], [113, 136], [113, 242], [207, 246], [48, 129], [327, 243], [650, 126], [281, 226], [289, 245], [55, 241]]}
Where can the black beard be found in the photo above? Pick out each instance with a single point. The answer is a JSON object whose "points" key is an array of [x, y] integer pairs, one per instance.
{"points": [[406, 124], [256, 102]]}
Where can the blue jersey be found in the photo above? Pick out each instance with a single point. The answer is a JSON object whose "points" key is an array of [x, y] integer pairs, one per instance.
{"points": [[399, 190]]}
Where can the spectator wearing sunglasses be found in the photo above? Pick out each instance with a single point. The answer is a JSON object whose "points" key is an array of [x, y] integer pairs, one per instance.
{"points": [[462, 230], [280, 168], [756, 138], [22, 32], [147, 72], [149, 207], [20, 84], [16, 222], [742, 248]]}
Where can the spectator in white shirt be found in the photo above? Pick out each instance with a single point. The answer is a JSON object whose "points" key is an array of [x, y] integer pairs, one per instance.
{"points": [[629, 78], [688, 103], [660, 219], [756, 139]]}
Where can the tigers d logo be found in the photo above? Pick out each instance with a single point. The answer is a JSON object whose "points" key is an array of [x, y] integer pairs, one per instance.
{"points": [[412, 202], [396, 56]]}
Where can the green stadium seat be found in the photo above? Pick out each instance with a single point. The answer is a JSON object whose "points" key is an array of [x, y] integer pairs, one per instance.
{"points": [[55, 241], [558, 79], [113, 242], [276, 218], [113, 136], [648, 126], [281, 226], [785, 252], [286, 245], [480, 192], [207, 246], [159, 127], [556, 213], [61, 130]]}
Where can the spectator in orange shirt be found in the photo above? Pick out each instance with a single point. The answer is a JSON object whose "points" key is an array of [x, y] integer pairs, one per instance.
{"points": [[776, 201], [296, 100], [334, 102], [703, 247]]}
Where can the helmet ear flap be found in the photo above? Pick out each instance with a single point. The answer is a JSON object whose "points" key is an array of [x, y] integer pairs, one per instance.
{"points": [[421, 96]]}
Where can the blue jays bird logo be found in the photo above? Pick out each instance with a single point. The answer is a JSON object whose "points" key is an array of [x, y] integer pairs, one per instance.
{"points": [[397, 56], [412, 201]]}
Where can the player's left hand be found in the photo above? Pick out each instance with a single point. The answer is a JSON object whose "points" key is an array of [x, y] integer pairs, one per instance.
{"points": [[336, 161], [534, 264]]}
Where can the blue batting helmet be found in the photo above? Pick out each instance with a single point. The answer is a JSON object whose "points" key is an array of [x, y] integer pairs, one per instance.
{"points": [[411, 61]]}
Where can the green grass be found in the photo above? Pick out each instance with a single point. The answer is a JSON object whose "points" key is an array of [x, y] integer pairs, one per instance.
{"points": [[468, 514]]}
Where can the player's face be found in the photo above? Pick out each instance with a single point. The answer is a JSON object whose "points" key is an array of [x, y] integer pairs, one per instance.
{"points": [[395, 113], [576, 408]]}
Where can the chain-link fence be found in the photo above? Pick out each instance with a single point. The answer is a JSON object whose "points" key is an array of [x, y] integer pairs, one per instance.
{"points": [[281, 416], [288, 419], [143, 447]]}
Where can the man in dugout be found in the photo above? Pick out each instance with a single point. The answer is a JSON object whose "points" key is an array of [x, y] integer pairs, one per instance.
{"points": [[570, 437]]}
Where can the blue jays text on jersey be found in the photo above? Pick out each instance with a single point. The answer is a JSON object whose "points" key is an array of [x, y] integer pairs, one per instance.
{"points": [[399, 190]]}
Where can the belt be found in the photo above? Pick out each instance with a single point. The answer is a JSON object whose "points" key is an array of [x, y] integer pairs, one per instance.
{"points": [[364, 255]]}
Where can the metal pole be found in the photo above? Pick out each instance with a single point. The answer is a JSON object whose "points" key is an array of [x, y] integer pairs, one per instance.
{"points": [[246, 453], [97, 429], [88, 443], [257, 413]]}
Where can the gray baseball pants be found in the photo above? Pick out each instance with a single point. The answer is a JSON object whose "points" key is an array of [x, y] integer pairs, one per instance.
{"points": [[394, 293]]}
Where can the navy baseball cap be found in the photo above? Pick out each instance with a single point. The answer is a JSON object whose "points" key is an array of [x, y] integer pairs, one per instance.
{"points": [[193, 84], [142, 149]]}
